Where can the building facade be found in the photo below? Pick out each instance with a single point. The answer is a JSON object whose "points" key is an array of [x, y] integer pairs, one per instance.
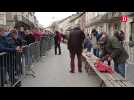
{"points": [[66, 24], [19, 20], [109, 22]]}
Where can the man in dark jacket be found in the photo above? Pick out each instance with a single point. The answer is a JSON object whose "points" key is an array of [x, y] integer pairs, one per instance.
{"points": [[29, 38], [116, 51], [75, 46], [57, 39]]}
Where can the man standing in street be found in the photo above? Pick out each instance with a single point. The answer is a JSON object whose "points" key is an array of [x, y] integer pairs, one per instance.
{"points": [[57, 39], [75, 46]]}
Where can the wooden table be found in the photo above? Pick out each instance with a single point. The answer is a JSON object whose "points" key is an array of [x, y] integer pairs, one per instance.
{"points": [[108, 80]]}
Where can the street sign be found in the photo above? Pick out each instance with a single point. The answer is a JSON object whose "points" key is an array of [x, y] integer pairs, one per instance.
{"points": [[124, 18]]}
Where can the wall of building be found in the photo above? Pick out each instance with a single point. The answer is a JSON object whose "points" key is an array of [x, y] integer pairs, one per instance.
{"points": [[3, 18], [107, 27]]}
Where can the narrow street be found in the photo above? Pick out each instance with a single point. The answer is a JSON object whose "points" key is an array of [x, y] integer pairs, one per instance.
{"points": [[53, 71], [27, 41]]}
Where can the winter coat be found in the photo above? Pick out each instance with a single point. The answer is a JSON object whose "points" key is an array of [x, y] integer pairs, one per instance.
{"points": [[4, 46], [21, 35], [37, 36], [94, 42], [29, 39], [76, 39], [116, 50], [13, 43], [87, 43], [57, 38]]}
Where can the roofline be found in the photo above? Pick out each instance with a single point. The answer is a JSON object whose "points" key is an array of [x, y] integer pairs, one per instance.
{"points": [[78, 16]]}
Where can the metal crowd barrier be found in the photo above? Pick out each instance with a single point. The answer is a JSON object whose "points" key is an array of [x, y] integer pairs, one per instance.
{"points": [[13, 66], [11, 69], [44, 45], [35, 51], [47, 43], [51, 40], [27, 56]]}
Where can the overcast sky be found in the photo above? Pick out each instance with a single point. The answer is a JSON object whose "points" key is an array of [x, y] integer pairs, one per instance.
{"points": [[46, 18]]}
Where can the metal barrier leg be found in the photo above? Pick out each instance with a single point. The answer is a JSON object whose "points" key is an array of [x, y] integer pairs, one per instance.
{"points": [[30, 70], [2, 73], [30, 57]]}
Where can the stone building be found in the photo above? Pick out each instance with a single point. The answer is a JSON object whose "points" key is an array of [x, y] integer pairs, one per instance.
{"points": [[109, 22], [19, 20]]}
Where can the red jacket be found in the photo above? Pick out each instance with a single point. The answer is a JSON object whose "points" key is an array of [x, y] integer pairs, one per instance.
{"points": [[37, 35], [58, 38]]}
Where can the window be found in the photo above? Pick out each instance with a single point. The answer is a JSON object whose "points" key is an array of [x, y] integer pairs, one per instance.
{"points": [[117, 26]]}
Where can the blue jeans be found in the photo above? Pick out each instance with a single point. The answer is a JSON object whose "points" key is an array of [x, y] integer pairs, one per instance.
{"points": [[96, 52], [28, 57], [120, 68]]}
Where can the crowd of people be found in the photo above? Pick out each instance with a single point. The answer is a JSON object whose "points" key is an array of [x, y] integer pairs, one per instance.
{"points": [[108, 48], [14, 40], [105, 47]]}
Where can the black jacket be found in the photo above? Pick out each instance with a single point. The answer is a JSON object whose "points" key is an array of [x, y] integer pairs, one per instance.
{"points": [[29, 39], [76, 39]]}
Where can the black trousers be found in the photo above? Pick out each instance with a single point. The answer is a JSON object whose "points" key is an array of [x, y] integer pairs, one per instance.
{"points": [[57, 46], [72, 63]]}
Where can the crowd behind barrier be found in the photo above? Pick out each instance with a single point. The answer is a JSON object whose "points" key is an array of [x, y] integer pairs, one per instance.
{"points": [[14, 66]]}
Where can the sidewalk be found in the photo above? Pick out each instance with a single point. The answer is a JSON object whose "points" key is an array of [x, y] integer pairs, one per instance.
{"points": [[53, 71]]}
